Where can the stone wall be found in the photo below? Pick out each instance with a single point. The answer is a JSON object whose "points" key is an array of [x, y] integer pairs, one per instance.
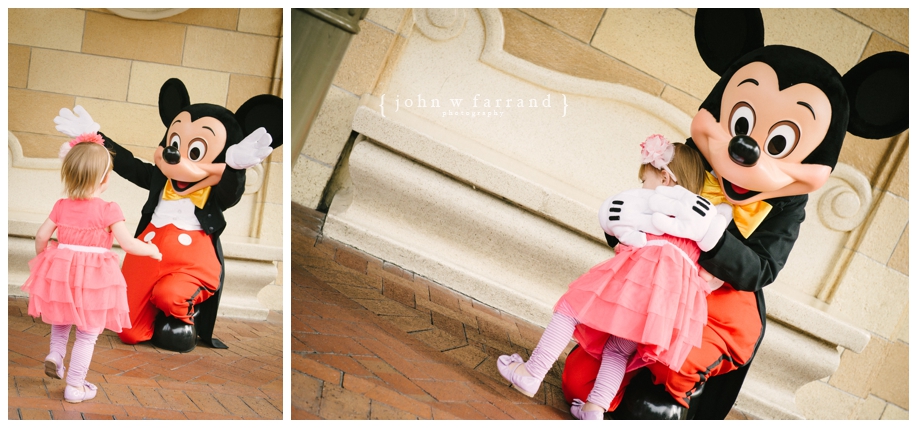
{"points": [[114, 67]]}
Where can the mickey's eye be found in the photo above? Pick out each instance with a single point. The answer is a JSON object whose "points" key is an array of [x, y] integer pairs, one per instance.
{"points": [[175, 141], [782, 139], [741, 120], [197, 150]]}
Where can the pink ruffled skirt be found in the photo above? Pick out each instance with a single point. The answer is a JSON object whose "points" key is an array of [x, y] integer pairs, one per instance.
{"points": [[652, 296], [82, 288]]}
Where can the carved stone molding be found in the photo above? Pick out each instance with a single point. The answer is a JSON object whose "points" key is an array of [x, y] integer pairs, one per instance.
{"points": [[844, 205], [440, 24], [147, 14]]}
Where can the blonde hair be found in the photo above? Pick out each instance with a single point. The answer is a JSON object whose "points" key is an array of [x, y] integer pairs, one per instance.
{"points": [[84, 169], [686, 164]]}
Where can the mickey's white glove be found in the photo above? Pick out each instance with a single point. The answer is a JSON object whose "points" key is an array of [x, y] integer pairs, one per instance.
{"points": [[678, 212], [251, 151], [73, 125], [627, 216]]}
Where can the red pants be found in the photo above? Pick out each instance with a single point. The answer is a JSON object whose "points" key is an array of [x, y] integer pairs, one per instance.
{"points": [[188, 274], [729, 338]]}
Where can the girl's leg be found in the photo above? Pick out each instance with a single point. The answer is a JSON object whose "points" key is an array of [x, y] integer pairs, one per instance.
{"points": [[555, 339], [54, 362], [60, 334], [615, 355], [77, 388], [527, 376]]}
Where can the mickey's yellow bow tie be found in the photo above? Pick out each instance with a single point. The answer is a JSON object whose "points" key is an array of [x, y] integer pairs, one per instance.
{"points": [[198, 197], [747, 217]]}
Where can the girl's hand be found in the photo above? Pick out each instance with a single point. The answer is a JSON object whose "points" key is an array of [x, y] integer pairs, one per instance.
{"points": [[712, 281], [156, 255]]}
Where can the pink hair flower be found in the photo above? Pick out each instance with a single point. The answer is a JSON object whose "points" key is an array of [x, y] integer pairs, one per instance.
{"points": [[657, 151], [90, 137]]}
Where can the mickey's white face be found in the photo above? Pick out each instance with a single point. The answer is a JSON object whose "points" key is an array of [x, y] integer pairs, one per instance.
{"points": [[191, 147], [764, 134]]}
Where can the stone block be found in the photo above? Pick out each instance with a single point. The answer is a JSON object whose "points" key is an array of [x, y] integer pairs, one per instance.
{"points": [[308, 181], [879, 43], [902, 332], [886, 229], [393, 57], [895, 413], [856, 371], [243, 87], [79, 74], [232, 52], [18, 65], [34, 111], [47, 28], [149, 41], [40, 145], [226, 19], [273, 184], [818, 400], [331, 128], [899, 259], [579, 23], [625, 35], [272, 224], [870, 409], [203, 86], [389, 18], [261, 21], [890, 22], [899, 184], [832, 35], [871, 296], [891, 380], [533, 41], [864, 155], [363, 61], [683, 101]]}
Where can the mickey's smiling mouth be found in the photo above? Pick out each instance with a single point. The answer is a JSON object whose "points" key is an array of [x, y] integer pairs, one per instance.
{"points": [[737, 193], [181, 186]]}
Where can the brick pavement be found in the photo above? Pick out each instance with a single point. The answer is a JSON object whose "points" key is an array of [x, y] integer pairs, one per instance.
{"points": [[143, 382], [374, 341]]}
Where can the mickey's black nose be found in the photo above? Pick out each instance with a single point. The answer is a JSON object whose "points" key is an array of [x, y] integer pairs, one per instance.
{"points": [[744, 150], [171, 156]]}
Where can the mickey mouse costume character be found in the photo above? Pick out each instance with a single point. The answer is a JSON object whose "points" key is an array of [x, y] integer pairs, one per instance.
{"points": [[770, 132], [198, 172]]}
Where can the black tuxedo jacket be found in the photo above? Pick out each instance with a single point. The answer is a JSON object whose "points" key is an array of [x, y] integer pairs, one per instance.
{"points": [[225, 194]]}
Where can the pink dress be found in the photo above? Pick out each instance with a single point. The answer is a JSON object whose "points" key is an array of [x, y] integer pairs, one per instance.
{"points": [[651, 295], [77, 280]]}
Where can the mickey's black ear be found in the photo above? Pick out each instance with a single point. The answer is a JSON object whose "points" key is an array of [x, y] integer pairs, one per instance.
{"points": [[877, 89], [724, 35], [173, 97], [263, 110]]}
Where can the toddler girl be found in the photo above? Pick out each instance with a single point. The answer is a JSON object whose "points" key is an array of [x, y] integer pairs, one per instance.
{"points": [[77, 280], [645, 304]]}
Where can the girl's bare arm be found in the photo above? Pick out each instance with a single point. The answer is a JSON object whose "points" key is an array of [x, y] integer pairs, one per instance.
{"points": [[44, 235], [133, 245]]}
